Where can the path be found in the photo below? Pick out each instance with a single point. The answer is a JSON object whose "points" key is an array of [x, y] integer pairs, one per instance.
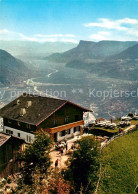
{"points": [[63, 158]]}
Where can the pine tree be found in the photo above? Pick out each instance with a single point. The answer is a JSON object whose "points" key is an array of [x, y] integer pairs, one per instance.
{"points": [[84, 166]]}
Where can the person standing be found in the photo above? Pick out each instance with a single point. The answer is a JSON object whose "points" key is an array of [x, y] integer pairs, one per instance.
{"points": [[56, 164], [66, 146], [61, 151]]}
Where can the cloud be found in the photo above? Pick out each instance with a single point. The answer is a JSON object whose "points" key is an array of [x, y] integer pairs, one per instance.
{"points": [[98, 36], [122, 24], [10, 35], [127, 21], [133, 31], [55, 35], [4, 31], [101, 35], [68, 40], [121, 29], [104, 33]]}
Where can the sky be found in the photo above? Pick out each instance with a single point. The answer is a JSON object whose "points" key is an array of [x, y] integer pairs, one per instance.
{"points": [[68, 20]]}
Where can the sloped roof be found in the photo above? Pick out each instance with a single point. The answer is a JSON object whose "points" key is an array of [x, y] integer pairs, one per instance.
{"points": [[41, 108], [4, 138]]}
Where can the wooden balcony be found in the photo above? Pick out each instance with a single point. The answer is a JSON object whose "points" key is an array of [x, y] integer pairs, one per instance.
{"points": [[64, 127]]}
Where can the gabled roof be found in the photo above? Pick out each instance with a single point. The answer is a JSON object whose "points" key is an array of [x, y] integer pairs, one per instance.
{"points": [[4, 138], [41, 108]]}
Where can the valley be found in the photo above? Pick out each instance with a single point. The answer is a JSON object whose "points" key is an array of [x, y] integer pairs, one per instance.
{"points": [[108, 87], [80, 87]]}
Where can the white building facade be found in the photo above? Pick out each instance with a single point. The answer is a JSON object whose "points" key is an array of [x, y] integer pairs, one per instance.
{"points": [[27, 137]]}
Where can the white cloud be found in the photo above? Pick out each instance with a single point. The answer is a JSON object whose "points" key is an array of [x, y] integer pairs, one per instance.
{"points": [[106, 23], [10, 35], [55, 35], [97, 37], [3, 31], [113, 36], [128, 21], [68, 40], [122, 24], [122, 29], [133, 31], [104, 32], [101, 35]]}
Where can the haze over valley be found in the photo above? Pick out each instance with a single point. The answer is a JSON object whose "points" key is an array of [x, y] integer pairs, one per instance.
{"points": [[88, 73]]}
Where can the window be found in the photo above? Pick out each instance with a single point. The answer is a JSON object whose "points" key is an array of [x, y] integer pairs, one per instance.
{"points": [[9, 132], [78, 128], [66, 119], [27, 137], [75, 129], [18, 123], [30, 139], [18, 134], [28, 126], [9, 121], [55, 122], [55, 137], [76, 117], [63, 133], [68, 131]]}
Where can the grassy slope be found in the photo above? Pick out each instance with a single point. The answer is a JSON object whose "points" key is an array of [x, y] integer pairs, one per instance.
{"points": [[120, 161]]}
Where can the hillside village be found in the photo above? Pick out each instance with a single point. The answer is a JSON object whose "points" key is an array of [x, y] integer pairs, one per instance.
{"points": [[63, 120]]}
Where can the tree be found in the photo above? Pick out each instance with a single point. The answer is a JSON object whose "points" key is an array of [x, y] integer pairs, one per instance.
{"points": [[53, 183], [84, 166], [35, 158]]}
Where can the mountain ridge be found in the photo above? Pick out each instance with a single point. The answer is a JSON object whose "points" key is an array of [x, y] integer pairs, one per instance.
{"points": [[130, 53], [12, 70], [123, 65], [34, 49], [88, 50]]}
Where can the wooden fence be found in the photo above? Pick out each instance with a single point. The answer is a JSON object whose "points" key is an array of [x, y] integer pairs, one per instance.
{"points": [[131, 128]]}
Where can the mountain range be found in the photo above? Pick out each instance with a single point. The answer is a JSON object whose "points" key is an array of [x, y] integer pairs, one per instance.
{"points": [[131, 54], [33, 50], [114, 59], [12, 70], [87, 50]]}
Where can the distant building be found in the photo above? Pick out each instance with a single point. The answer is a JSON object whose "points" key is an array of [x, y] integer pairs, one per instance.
{"points": [[27, 114], [100, 120], [88, 118]]}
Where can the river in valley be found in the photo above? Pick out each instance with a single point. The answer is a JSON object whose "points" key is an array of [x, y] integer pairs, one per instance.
{"points": [[107, 97]]}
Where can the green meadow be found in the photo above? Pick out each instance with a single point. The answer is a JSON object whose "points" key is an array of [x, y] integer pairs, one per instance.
{"points": [[120, 165]]}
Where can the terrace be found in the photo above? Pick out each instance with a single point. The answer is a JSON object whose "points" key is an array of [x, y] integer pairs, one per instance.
{"points": [[110, 128]]}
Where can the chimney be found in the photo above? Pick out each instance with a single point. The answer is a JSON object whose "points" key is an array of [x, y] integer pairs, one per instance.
{"points": [[22, 111], [28, 104], [18, 102]]}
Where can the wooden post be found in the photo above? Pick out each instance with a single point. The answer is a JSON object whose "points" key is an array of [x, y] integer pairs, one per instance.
{"points": [[81, 130]]}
